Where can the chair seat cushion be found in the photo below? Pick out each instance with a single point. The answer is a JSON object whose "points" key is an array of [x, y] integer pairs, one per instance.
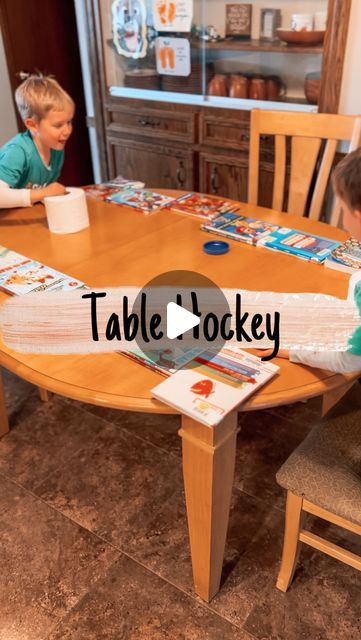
{"points": [[326, 467]]}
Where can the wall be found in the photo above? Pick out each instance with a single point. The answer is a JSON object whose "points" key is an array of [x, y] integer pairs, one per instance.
{"points": [[350, 102], [8, 124]]}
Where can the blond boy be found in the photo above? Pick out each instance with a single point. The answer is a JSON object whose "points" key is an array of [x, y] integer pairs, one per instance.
{"points": [[31, 162]]}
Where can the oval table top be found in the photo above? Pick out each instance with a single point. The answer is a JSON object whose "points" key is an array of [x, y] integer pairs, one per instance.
{"points": [[125, 247]]}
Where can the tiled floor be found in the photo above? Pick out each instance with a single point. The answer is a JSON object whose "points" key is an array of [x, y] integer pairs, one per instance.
{"points": [[94, 539]]}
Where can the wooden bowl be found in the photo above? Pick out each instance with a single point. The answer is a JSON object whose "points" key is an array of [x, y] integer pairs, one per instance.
{"points": [[305, 38], [313, 87]]}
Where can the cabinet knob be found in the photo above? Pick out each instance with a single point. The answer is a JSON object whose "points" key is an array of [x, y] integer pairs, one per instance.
{"points": [[245, 137], [214, 180], [148, 122]]}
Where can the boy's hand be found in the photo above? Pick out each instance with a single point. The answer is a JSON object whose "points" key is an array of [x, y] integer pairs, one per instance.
{"points": [[283, 353], [53, 189]]}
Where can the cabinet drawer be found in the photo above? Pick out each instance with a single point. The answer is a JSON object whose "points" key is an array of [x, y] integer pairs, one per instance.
{"points": [[224, 132], [231, 133], [152, 123]]}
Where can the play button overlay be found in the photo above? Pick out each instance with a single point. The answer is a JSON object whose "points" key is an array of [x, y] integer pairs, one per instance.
{"points": [[185, 308], [179, 320]]}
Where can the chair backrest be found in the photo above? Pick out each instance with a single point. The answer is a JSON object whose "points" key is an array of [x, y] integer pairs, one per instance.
{"points": [[314, 141]]}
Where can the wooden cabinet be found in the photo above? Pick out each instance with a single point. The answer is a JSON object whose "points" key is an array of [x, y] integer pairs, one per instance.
{"points": [[192, 145]]}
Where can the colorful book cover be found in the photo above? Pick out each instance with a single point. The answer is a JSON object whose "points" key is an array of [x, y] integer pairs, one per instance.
{"points": [[146, 201], [240, 228], [205, 397], [10, 258], [30, 275], [103, 190], [164, 361], [346, 257], [298, 243], [202, 206], [99, 191]]}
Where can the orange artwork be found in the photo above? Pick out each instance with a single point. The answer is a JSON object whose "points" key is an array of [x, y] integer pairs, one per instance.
{"points": [[203, 388], [167, 57], [166, 11]]}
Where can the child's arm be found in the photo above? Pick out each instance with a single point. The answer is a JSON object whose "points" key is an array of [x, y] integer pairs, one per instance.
{"points": [[13, 168], [27, 197], [337, 361]]}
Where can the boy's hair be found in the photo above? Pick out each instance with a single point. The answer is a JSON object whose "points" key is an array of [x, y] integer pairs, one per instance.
{"points": [[38, 95], [346, 179]]}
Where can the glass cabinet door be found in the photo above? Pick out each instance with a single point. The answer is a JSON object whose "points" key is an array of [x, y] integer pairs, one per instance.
{"points": [[267, 51], [231, 54]]}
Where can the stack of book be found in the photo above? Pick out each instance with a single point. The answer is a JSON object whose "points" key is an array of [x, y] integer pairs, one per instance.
{"points": [[202, 206], [346, 257], [146, 201], [219, 383], [105, 189], [260, 233]]}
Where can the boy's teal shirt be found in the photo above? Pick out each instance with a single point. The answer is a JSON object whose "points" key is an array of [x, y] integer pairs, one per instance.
{"points": [[355, 340], [22, 167]]}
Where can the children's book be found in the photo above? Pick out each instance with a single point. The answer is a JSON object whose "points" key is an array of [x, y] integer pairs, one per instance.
{"points": [[298, 243], [202, 206], [347, 257], [123, 183], [164, 361], [25, 276], [99, 191], [10, 258], [205, 396], [146, 201], [240, 228], [105, 189]]}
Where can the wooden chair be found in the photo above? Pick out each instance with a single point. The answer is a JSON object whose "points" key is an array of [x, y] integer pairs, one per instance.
{"points": [[308, 132], [322, 477]]}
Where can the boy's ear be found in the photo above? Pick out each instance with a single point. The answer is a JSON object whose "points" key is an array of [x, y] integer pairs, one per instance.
{"points": [[357, 213], [31, 124]]}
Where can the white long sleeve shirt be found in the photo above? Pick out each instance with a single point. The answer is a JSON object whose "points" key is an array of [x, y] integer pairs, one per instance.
{"points": [[337, 361], [13, 197]]}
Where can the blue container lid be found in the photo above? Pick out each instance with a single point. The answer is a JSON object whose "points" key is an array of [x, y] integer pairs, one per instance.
{"points": [[216, 247]]}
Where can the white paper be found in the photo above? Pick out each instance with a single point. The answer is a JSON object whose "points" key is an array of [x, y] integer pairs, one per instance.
{"points": [[173, 56], [173, 15]]}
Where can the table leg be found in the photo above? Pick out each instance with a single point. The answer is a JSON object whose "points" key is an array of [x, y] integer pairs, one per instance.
{"points": [[44, 394], [4, 423], [331, 398], [208, 471]]}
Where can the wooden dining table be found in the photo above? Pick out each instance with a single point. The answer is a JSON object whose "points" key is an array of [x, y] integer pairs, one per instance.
{"points": [[124, 247]]}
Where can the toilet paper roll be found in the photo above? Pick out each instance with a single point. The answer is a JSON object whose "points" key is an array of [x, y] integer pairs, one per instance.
{"points": [[67, 213]]}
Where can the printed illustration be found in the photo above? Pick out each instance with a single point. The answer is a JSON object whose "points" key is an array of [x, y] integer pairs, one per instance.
{"points": [[173, 15], [203, 388], [173, 56], [129, 28]]}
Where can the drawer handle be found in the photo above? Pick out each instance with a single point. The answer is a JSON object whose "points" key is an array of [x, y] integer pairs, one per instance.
{"points": [[245, 137], [148, 122], [214, 180], [181, 174]]}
